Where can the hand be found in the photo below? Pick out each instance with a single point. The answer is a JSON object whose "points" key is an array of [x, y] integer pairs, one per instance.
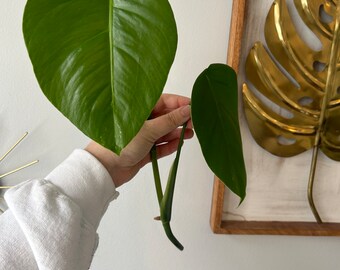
{"points": [[170, 112]]}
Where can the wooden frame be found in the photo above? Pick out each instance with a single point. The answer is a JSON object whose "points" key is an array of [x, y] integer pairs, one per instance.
{"points": [[221, 226]]}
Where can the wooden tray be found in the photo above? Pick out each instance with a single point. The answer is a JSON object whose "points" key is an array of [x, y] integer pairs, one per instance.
{"points": [[276, 201]]}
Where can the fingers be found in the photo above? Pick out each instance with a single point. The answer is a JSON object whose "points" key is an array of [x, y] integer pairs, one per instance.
{"points": [[163, 150], [162, 125], [168, 103], [189, 133]]}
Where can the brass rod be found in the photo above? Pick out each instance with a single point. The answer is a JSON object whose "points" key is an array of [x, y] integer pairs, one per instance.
{"points": [[5, 187], [330, 90], [311, 185], [2, 210], [20, 168], [12, 148]]}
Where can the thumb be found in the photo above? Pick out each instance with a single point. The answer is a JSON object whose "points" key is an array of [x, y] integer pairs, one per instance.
{"points": [[166, 123]]}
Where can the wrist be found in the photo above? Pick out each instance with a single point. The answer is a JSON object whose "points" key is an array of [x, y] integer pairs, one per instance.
{"points": [[107, 158]]}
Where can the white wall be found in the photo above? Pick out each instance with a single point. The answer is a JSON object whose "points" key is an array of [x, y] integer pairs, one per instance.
{"points": [[130, 239]]}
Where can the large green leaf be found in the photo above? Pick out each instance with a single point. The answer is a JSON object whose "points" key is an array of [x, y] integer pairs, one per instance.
{"points": [[102, 63], [215, 118]]}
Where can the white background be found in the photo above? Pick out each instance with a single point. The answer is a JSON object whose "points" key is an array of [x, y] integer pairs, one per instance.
{"points": [[129, 238]]}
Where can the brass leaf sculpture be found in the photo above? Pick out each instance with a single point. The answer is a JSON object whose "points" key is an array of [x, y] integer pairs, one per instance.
{"points": [[301, 82]]}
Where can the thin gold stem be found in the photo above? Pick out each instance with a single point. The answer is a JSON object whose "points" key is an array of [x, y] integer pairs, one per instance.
{"points": [[5, 187], [2, 210], [311, 185], [20, 168], [12, 148], [330, 90]]}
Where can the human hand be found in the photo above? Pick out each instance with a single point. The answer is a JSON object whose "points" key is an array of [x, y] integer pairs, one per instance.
{"points": [[163, 129]]}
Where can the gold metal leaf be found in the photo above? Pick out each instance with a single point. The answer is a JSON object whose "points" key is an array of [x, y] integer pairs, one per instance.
{"points": [[296, 104]]}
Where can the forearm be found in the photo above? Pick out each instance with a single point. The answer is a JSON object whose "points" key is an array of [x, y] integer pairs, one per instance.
{"points": [[51, 223]]}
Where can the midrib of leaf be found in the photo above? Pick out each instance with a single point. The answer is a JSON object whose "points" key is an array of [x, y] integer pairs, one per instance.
{"points": [[331, 74], [233, 124], [110, 27], [329, 90], [220, 109]]}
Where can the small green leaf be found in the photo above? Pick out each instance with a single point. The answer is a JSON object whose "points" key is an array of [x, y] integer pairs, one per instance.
{"points": [[215, 119], [102, 63]]}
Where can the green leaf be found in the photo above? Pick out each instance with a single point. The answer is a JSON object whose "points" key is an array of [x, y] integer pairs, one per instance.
{"points": [[102, 63], [215, 119]]}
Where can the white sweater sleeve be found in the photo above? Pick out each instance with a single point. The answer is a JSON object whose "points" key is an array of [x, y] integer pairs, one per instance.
{"points": [[52, 223]]}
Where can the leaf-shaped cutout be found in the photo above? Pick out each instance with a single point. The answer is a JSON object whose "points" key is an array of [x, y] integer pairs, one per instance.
{"points": [[215, 118], [296, 85], [102, 63]]}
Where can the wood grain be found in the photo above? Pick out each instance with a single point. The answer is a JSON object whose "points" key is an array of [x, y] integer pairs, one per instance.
{"points": [[280, 228], [233, 60], [235, 34]]}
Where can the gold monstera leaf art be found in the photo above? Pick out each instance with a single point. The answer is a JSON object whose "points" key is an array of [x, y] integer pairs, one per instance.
{"points": [[301, 82]]}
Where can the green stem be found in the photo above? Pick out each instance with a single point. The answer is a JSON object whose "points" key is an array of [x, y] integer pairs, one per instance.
{"points": [[166, 204], [156, 174], [172, 238]]}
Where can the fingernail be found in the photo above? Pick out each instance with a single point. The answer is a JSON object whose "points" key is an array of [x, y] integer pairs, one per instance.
{"points": [[186, 110]]}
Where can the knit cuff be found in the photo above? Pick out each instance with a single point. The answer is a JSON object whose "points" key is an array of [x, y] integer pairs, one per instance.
{"points": [[86, 181]]}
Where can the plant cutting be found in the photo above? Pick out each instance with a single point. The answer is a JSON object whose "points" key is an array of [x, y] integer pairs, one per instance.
{"points": [[104, 64]]}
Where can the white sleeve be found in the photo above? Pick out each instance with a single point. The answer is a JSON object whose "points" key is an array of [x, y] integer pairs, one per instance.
{"points": [[52, 223]]}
